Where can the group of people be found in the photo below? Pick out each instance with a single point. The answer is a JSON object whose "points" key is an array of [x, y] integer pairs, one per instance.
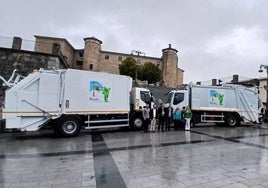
{"points": [[165, 116]]}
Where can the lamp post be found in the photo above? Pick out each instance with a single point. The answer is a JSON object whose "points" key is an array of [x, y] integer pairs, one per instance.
{"points": [[138, 54], [266, 88]]}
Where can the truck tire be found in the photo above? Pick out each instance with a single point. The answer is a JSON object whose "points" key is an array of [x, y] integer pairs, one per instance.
{"points": [[69, 126], [232, 120], [136, 123]]}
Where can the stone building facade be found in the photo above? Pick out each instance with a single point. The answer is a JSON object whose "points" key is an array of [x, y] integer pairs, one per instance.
{"points": [[93, 58], [24, 62]]}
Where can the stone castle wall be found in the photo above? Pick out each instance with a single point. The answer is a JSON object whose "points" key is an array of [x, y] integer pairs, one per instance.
{"points": [[78, 59], [179, 77], [91, 57], [170, 67], [48, 45], [94, 59], [109, 61], [24, 62]]}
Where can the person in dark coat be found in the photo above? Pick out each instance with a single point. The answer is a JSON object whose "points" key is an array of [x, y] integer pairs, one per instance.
{"points": [[169, 115], [161, 117]]}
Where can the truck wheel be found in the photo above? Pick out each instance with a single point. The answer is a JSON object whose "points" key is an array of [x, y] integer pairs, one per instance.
{"points": [[69, 126], [231, 120], [136, 123]]}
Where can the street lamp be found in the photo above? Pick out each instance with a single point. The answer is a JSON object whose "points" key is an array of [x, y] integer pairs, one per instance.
{"points": [[266, 88], [138, 54]]}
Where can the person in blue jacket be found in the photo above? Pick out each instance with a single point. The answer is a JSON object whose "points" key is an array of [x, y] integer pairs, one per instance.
{"points": [[177, 118]]}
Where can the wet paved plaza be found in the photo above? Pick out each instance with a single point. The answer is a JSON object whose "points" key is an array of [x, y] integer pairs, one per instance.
{"points": [[204, 157]]}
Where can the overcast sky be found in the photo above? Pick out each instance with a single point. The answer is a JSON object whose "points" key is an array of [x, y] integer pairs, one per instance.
{"points": [[214, 38]]}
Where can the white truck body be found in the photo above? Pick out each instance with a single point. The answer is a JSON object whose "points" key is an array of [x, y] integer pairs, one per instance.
{"points": [[91, 97], [220, 104], [85, 95]]}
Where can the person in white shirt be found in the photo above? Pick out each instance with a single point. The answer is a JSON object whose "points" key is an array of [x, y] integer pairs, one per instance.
{"points": [[153, 116], [146, 117]]}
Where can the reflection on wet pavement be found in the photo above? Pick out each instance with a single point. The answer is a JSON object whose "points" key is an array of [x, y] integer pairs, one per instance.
{"points": [[203, 157], [106, 171]]}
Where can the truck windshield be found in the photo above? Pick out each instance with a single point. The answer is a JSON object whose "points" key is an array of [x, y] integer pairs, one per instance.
{"points": [[178, 98], [145, 96], [170, 95]]}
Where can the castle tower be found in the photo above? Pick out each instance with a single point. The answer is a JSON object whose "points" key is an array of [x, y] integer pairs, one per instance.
{"points": [[170, 71], [92, 52]]}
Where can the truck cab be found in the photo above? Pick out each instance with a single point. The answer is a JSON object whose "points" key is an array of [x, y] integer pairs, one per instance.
{"points": [[139, 97], [178, 98]]}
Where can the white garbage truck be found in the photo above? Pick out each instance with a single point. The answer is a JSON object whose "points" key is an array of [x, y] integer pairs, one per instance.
{"points": [[68, 100], [227, 104]]}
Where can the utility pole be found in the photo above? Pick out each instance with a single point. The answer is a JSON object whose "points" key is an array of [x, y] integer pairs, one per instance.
{"points": [[138, 53]]}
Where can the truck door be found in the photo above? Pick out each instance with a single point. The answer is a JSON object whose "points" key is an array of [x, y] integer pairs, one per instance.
{"points": [[178, 99], [145, 97]]}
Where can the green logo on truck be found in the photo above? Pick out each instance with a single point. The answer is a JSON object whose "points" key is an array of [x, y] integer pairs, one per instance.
{"points": [[96, 88], [216, 98]]}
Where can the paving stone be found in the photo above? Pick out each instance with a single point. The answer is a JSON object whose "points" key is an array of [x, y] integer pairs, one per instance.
{"points": [[206, 157], [24, 184], [69, 185]]}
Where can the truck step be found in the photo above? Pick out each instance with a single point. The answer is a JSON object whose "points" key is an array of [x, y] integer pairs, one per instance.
{"points": [[212, 118], [104, 121], [106, 126]]}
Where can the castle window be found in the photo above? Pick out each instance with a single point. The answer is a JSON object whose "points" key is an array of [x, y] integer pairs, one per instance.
{"points": [[79, 63], [91, 66], [119, 58], [80, 54], [106, 57]]}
